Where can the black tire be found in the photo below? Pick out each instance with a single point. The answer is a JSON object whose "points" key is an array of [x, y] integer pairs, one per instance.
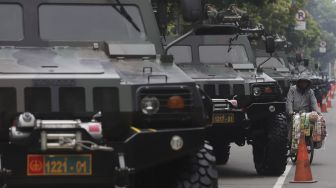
{"points": [[199, 170], [270, 152], [311, 148], [222, 154]]}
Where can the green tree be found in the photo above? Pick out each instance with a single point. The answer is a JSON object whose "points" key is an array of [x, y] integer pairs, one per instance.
{"points": [[325, 15]]}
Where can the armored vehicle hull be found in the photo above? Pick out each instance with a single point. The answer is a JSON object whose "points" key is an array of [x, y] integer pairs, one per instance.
{"points": [[222, 62]]}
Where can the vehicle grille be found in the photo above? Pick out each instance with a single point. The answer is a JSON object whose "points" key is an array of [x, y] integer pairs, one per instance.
{"points": [[38, 99], [238, 89], [67, 99], [8, 100], [210, 90], [164, 94], [223, 90], [166, 115], [106, 99], [72, 99], [276, 92]]}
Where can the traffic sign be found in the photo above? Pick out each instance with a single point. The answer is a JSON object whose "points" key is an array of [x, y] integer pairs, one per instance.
{"points": [[300, 20], [301, 15], [323, 44]]}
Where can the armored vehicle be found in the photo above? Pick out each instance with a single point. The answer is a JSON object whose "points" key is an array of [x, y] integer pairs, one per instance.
{"points": [[220, 59], [87, 98], [276, 66]]}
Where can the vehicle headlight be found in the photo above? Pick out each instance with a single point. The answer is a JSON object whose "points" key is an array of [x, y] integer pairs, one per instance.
{"points": [[150, 105], [256, 91]]}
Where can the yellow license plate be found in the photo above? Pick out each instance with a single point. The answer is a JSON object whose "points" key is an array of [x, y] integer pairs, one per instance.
{"points": [[59, 165], [223, 118]]}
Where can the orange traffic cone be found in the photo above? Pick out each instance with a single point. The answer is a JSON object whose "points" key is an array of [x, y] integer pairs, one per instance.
{"points": [[324, 105], [303, 172], [329, 100]]}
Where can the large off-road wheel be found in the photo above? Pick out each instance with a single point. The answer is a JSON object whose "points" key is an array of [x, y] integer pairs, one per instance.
{"points": [[222, 154], [195, 171], [199, 170], [270, 151]]}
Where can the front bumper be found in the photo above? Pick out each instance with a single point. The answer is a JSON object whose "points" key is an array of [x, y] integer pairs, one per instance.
{"points": [[259, 111], [230, 131], [141, 150]]}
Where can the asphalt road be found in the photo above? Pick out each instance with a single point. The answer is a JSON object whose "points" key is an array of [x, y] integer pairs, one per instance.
{"points": [[240, 173]]}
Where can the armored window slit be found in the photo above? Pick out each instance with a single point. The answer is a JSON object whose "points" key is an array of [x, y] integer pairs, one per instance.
{"points": [[72, 99], [37, 99], [106, 99]]}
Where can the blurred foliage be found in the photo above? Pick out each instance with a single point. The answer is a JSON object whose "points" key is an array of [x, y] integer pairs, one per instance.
{"points": [[278, 16], [324, 12]]}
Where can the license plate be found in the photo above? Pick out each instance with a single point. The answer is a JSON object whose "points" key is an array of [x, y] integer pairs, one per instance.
{"points": [[59, 165], [223, 118]]}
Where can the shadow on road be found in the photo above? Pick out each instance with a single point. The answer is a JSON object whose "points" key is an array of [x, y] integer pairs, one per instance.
{"points": [[228, 171]]}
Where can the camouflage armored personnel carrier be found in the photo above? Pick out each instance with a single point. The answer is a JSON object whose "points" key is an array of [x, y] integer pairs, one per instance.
{"points": [[86, 98], [220, 59]]}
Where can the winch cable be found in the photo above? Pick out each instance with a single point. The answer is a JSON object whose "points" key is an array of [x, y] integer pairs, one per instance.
{"points": [[85, 143]]}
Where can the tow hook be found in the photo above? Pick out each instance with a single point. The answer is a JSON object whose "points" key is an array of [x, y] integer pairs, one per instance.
{"points": [[122, 173]]}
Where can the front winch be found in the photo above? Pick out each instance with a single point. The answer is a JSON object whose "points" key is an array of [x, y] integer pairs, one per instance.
{"points": [[58, 134], [60, 141], [26, 120]]}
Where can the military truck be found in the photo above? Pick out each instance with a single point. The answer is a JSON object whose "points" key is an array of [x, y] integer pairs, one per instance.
{"points": [[220, 59], [88, 97]]}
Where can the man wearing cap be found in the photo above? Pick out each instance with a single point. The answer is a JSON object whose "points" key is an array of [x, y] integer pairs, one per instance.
{"points": [[301, 97]]}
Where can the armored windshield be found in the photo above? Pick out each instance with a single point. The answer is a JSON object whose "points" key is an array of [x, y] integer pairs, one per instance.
{"points": [[234, 54], [271, 63], [89, 23], [182, 54]]}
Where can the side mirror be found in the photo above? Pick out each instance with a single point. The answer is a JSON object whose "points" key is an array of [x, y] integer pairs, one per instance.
{"points": [[306, 62], [191, 9], [270, 45]]}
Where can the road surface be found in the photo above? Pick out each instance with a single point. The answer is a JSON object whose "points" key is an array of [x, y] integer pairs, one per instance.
{"points": [[240, 172]]}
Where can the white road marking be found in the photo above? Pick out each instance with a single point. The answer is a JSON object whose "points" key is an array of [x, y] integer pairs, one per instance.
{"points": [[281, 180]]}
